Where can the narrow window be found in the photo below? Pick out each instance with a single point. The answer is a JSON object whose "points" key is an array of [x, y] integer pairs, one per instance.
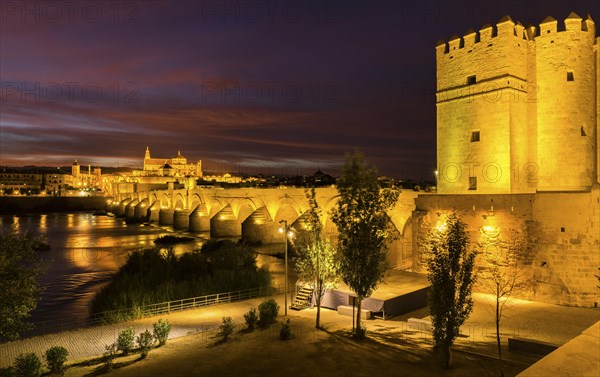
{"points": [[472, 183], [583, 131], [471, 80], [474, 136], [570, 76]]}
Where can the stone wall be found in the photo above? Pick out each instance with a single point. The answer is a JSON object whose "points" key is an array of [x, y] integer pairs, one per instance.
{"points": [[565, 231]]}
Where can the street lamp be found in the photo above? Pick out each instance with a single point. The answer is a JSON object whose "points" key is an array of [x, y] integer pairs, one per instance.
{"points": [[288, 233]]}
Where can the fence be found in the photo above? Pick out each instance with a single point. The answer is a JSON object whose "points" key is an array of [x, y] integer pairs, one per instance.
{"points": [[64, 324]]}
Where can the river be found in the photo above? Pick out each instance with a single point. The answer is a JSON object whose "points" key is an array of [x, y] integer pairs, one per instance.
{"points": [[86, 251]]}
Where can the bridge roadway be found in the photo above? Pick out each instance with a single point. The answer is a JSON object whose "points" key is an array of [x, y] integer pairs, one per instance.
{"points": [[250, 213]]}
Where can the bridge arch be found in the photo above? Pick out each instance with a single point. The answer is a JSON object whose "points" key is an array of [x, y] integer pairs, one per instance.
{"points": [[195, 201], [164, 201], [179, 201]]}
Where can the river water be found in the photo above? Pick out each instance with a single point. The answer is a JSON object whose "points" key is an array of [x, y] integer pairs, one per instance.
{"points": [[86, 251]]}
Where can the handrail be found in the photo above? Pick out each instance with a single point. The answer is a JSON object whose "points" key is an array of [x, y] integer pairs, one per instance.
{"points": [[64, 324]]}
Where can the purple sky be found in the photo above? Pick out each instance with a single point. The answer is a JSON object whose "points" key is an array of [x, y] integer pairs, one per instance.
{"points": [[277, 86]]}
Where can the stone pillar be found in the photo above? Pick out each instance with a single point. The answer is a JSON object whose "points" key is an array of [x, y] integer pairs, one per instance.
{"points": [[120, 209], [260, 228], [225, 224], [141, 210], [130, 209], [165, 216], [181, 219], [153, 212], [199, 220]]}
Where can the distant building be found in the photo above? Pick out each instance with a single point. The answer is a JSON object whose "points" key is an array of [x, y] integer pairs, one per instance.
{"points": [[169, 167]]}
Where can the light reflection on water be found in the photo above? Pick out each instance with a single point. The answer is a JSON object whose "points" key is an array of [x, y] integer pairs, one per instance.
{"points": [[85, 252]]}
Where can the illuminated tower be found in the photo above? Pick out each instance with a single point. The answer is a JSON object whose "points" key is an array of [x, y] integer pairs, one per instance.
{"points": [[75, 169], [566, 104], [517, 110]]}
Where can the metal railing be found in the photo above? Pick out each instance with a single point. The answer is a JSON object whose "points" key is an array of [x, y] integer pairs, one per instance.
{"points": [[107, 317]]}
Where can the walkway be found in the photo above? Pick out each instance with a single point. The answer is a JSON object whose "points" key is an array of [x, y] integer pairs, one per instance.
{"points": [[544, 322]]}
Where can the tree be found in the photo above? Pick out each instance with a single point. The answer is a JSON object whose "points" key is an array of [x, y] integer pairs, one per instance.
{"points": [[20, 267], [364, 229], [502, 274], [451, 276], [317, 259]]}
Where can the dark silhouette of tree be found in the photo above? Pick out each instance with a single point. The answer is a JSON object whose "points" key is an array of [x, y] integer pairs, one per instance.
{"points": [[502, 273], [450, 267], [20, 267], [364, 229], [317, 259]]}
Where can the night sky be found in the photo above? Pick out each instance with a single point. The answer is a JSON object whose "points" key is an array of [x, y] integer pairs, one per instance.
{"points": [[268, 86]]}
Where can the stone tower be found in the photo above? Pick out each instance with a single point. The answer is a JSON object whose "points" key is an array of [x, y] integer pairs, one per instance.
{"points": [[75, 169], [517, 108]]}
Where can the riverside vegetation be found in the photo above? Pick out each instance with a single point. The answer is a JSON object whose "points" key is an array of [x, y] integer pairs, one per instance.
{"points": [[154, 275]]}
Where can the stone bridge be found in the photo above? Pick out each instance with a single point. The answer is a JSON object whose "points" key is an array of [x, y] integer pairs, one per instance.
{"points": [[252, 214]]}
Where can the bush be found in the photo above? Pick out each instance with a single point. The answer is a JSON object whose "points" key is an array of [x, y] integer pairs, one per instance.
{"points": [[226, 328], [56, 358], [285, 333], [251, 318], [125, 340], [162, 328], [7, 372], [109, 355], [267, 312], [144, 341], [27, 365]]}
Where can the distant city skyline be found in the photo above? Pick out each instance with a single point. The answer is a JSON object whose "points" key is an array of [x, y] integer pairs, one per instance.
{"points": [[272, 86]]}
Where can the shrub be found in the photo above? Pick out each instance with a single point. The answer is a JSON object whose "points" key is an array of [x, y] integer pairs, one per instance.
{"points": [[251, 318], [162, 328], [360, 332], [55, 359], [226, 328], [285, 333], [125, 340], [7, 372], [144, 341], [109, 355], [27, 365], [267, 312]]}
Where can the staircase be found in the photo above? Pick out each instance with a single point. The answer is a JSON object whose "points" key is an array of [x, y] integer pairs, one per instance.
{"points": [[303, 298]]}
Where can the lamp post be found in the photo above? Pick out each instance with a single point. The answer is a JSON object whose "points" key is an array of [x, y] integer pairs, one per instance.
{"points": [[286, 231]]}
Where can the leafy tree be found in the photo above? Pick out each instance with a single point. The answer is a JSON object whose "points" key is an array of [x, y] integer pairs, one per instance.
{"points": [[317, 259], [451, 275], [364, 228], [20, 267], [502, 274]]}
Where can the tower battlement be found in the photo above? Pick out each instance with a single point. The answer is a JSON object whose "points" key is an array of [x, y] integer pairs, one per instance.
{"points": [[506, 27]]}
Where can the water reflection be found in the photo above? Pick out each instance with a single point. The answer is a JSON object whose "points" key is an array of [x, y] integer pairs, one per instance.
{"points": [[85, 252]]}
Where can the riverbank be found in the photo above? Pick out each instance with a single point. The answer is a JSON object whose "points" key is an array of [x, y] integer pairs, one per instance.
{"points": [[11, 205]]}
